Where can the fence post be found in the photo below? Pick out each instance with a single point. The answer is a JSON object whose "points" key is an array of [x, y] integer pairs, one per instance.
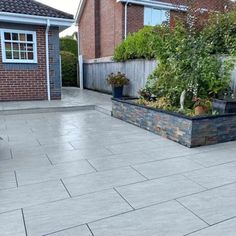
{"points": [[81, 72]]}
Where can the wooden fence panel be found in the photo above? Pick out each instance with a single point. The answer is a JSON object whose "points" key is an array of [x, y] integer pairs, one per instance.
{"points": [[95, 74]]}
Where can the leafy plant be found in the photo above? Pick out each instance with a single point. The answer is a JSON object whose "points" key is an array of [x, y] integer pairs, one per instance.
{"points": [[143, 44], [69, 44], [117, 80], [69, 69]]}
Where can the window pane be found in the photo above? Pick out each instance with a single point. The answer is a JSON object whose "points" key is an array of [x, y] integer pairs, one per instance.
{"points": [[30, 55], [147, 16], [155, 16], [22, 37], [29, 37], [8, 55], [8, 46], [16, 55], [15, 36], [30, 47], [15, 46], [7, 36], [23, 55], [23, 47]]}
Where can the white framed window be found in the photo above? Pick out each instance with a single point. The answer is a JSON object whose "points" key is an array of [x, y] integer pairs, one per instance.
{"points": [[154, 16], [18, 46]]}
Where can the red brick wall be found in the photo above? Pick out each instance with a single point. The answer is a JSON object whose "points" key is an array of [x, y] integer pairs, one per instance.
{"points": [[135, 18], [111, 26], [102, 24], [87, 30], [21, 82]]}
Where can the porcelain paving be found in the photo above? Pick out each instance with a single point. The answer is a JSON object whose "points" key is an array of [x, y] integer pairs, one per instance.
{"points": [[48, 218], [56, 172], [214, 176], [16, 198], [101, 180], [122, 160], [215, 157], [7, 180], [158, 190], [168, 219], [84, 167], [213, 206], [77, 231], [227, 228], [163, 168], [11, 224]]}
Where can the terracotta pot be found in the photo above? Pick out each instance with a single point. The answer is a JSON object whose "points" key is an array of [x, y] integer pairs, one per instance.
{"points": [[200, 110]]}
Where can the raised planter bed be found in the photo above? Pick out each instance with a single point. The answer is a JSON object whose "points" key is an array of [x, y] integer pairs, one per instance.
{"points": [[188, 131]]}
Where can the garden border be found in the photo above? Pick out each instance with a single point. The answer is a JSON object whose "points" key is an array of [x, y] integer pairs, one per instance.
{"points": [[188, 131]]}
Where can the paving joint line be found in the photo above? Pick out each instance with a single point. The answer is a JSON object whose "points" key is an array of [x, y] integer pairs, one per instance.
{"points": [[146, 178], [66, 188], [17, 185], [89, 229], [91, 165], [192, 212], [123, 198], [23, 217]]}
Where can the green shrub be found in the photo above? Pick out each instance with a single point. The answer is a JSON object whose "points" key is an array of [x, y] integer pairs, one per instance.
{"points": [[190, 61], [143, 44], [220, 33], [69, 69], [68, 44]]}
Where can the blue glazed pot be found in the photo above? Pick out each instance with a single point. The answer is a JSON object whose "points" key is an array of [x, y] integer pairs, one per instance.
{"points": [[117, 92]]}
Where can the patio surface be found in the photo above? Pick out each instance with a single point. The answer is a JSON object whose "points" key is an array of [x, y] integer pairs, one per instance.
{"points": [[85, 173], [72, 98]]}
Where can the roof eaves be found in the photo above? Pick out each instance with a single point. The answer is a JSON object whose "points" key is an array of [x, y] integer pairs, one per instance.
{"points": [[157, 4]]}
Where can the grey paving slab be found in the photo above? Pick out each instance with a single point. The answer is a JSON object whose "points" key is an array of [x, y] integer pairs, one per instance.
{"points": [[41, 174], [7, 180], [52, 217], [12, 199], [101, 180], [158, 190], [5, 152], [66, 156], [77, 231], [24, 162], [214, 176], [122, 160], [168, 219], [24, 150], [214, 205], [215, 157], [133, 146], [11, 224], [163, 168], [226, 228]]}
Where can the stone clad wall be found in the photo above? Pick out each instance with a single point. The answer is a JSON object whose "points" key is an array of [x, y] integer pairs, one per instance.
{"points": [[190, 132]]}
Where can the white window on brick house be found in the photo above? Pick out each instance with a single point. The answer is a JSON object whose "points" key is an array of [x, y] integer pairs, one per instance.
{"points": [[18, 46], [154, 16]]}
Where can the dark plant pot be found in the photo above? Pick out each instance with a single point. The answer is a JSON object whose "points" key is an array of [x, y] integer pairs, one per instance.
{"points": [[224, 106], [117, 92]]}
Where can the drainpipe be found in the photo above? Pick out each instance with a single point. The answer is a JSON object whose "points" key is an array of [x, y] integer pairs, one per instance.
{"points": [[126, 18], [47, 60]]}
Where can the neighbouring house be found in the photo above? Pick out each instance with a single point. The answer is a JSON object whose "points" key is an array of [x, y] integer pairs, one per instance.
{"points": [[103, 24], [29, 50]]}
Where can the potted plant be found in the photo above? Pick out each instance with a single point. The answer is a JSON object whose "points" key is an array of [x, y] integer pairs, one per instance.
{"points": [[201, 106], [226, 103], [117, 81]]}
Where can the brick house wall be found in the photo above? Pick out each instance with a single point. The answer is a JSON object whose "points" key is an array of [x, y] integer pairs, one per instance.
{"points": [[20, 82], [102, 23]]}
